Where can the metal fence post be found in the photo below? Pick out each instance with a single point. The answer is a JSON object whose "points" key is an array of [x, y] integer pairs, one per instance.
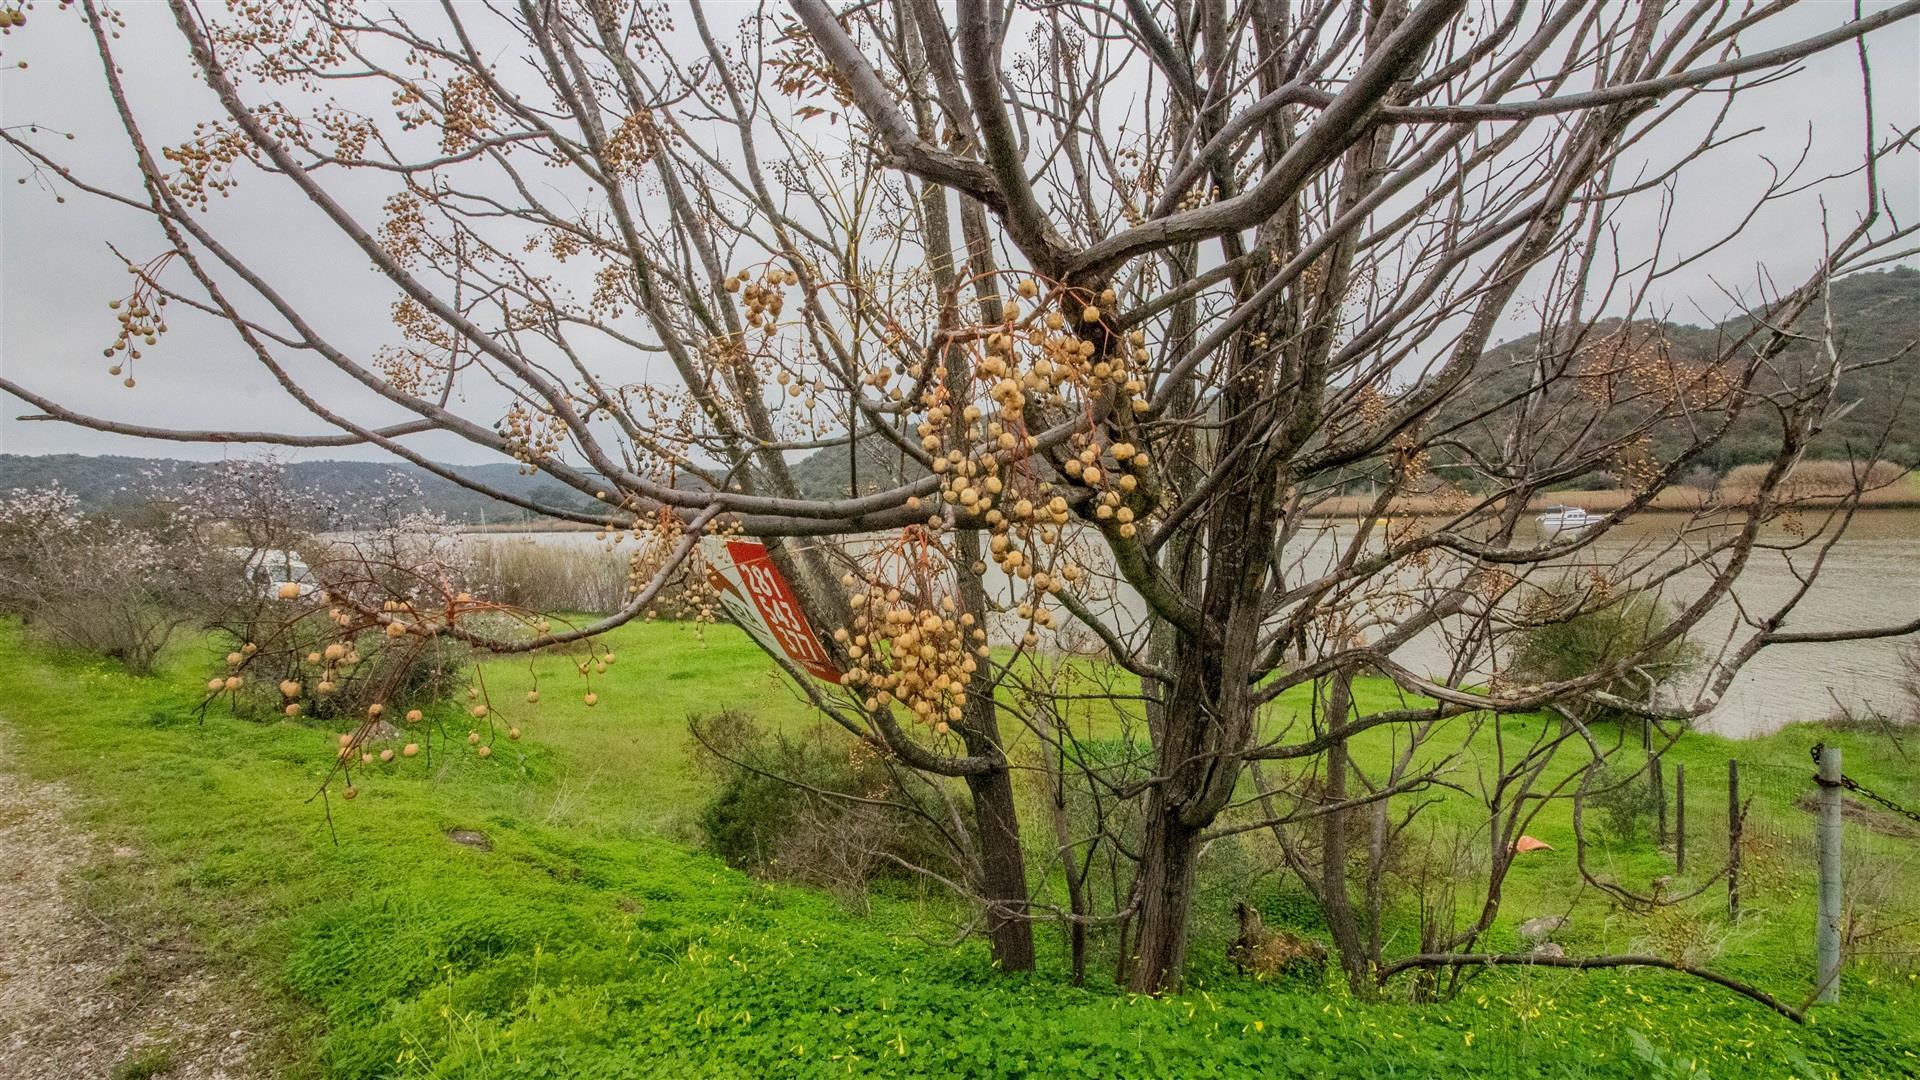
{"points": [[1679, 817], [1733, 839], [1827, 932]]}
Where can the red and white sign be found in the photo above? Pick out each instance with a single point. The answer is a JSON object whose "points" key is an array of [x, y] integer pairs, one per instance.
{"points": [[763, 604]]}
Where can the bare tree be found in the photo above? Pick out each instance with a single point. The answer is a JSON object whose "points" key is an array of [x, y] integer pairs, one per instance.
{"points": [[1215, 267]]}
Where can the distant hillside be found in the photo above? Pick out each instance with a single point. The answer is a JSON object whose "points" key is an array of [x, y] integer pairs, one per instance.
{"points": [[1876, 316], [831, 473], [108, 480]]}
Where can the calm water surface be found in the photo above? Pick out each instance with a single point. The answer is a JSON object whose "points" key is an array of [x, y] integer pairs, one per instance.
{"points": [[1872, 578]]}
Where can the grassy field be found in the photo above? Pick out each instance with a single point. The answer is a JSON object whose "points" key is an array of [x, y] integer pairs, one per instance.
{"points": [[592, 940]]}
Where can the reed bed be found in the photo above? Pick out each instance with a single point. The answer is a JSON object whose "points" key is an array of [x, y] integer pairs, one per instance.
{"points": [[547, 577], [1887, 487]]}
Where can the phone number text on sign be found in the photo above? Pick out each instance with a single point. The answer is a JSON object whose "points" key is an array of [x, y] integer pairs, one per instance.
{"points": [[771, 612]]}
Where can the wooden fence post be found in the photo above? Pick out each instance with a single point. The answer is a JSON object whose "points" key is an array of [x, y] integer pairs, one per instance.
{"points": [[1660, 799], [1679, 817], [1733, 839], [1656, 778]]}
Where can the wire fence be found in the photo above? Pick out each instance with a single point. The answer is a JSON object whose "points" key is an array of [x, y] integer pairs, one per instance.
{"points": [[1758, 821]]}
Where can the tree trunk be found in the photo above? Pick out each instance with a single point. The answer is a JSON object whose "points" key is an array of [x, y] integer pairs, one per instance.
{"points": [[1167, 858], [1070, 868], [1003, 870], [1347, 941], [1205, 724]]}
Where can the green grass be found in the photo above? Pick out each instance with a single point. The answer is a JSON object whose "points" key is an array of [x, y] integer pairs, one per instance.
{"points": [[146, 1063], [621, 764], [588, 944]]}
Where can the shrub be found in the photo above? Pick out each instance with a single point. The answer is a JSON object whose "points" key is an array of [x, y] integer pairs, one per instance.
{"points": [[396, 565], [1100, 821], [412, 674], [815, 808], [97, 584], [1626, 801], [1574, 632]]}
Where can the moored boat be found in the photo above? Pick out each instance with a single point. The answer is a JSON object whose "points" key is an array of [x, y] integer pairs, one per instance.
{"points": [[1558, 519]]}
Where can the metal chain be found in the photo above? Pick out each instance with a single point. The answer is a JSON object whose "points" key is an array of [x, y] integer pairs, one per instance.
{"points": [[1855, 786]]}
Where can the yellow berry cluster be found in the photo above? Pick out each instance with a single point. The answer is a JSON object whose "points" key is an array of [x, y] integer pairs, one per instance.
{"points": [[764, 298], [531, 436], [203, 166], [467, 109], [632, 145], [403, 231], [913, 651], [1051, 362], [140, 318]]}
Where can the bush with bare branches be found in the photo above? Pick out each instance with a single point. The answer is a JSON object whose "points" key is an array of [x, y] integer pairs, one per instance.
{"points": [[97, 584], [809, 807], [547, 577]]}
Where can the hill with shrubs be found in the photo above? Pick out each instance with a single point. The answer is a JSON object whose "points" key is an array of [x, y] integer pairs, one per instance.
{"points": [[1622, 368], [111, 482]]}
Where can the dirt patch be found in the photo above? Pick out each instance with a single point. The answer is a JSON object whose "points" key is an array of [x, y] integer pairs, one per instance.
{"points": [[78, 996], [1869, 817]]}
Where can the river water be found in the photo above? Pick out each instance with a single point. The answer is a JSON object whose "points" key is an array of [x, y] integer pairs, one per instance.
{"points": [[1872, 578]]}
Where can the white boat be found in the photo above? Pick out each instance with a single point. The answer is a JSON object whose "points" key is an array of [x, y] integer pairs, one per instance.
{"points": [[268, 570], [1559, 519]]}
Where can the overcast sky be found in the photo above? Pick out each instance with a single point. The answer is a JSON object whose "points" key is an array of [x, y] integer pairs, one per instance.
{"points": [[57, 272]]}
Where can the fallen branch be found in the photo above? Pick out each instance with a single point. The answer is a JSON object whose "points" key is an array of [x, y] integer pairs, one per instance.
{"points": [[1429, 960]]}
